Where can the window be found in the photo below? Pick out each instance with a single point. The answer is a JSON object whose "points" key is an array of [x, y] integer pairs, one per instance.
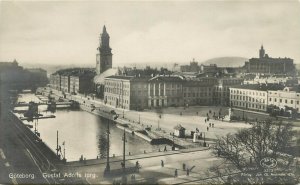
{"points": [[292, 101], [280, 100], [270, 99]]}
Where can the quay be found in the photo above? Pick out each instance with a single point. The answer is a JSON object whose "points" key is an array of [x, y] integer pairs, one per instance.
{"points": [[42, 103]]}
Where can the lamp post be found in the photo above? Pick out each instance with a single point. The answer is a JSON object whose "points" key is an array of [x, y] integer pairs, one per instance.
{"points": [[124, 140], [107, 168], [173, 147]]}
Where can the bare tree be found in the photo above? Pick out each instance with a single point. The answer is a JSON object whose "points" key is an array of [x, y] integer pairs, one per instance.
{"points": [[259, 154]]}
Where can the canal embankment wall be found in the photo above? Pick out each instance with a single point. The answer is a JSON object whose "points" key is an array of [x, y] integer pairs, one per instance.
{"points": [[42, 145]]}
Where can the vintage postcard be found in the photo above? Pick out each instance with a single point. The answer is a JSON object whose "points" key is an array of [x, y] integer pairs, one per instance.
{"points": [[150, 92]]}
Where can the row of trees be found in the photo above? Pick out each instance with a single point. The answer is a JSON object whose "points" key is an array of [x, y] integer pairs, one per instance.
{"points": [[258, 155], [274, 111]]}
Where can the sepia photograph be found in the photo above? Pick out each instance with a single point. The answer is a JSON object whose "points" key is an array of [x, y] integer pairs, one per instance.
{"points": [[166, 92]]}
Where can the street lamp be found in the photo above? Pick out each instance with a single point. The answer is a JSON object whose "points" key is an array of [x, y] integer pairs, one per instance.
{"points": [[107, 168], [173, 147], [124, 140]]}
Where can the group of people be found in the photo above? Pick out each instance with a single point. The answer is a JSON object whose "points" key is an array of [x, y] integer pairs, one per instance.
{"points": [[162, 163]]}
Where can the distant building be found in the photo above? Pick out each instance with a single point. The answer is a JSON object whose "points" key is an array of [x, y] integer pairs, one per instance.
{"points": [[77, 80], [65, 83], [55, 81], [267, 65], [211, 68], [104, 57], [271, 79], [193, 67]]}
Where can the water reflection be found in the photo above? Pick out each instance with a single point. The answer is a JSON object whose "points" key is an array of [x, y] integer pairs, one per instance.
{"points": [[102, 137]]}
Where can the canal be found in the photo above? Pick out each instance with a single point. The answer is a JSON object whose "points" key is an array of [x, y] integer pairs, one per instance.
{"points": [[84, 134]]}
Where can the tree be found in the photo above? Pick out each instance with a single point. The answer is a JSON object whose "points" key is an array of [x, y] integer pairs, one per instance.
{"points": [[258, 155]]}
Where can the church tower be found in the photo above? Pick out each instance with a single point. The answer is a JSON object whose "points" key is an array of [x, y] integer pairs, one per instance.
{"points": [[104, 57], [262, 52]]}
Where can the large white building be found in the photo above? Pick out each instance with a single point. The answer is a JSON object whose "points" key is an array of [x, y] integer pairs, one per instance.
{"points": [[288, 97], [251, 97]]}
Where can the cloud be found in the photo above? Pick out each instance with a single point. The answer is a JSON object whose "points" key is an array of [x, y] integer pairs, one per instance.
{"points": [[53, 32]]}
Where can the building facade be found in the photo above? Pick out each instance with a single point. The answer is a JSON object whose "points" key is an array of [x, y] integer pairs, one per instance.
{"points": [[104, 57], [74, 81], [55, 81], [164, 91], [249, 97], [288, 97], [65, 83], [126, 92], [222, 90], [252, 97], [198, 91], [81, 83]]}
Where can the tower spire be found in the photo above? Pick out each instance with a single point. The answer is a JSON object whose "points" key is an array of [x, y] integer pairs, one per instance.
{"points": [[104, 57], [104, 29], [262, 52]]}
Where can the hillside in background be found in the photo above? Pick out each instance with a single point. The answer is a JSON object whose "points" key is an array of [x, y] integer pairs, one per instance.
{"points": [[226, 61]]}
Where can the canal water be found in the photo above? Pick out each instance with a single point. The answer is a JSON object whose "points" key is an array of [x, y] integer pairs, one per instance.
{"points": [[84, 134]]}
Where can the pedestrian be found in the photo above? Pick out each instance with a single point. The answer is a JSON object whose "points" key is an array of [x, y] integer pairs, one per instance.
{"points": [[205, 120], [187, 171], [162, 163], [176, 173], [209, 124], [165, 149], [213, 125], [132, 178], [183, 166], [207, 128], [137, 165]]}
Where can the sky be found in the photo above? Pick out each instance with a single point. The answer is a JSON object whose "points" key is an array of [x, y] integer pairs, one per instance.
{"points": [[67, 32]]}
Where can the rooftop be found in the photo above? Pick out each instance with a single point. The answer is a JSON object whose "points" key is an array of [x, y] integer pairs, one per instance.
{"points": [[260, 87], [131, 78]]}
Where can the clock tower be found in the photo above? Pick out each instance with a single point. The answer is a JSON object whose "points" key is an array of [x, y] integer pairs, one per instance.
{"points": [[104, 57]]}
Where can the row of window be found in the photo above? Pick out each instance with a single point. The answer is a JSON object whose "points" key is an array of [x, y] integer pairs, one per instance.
{"points": [[245, 98], [247, 92], [248, 105], [196, 94], [116, 84], [285, 101]]}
